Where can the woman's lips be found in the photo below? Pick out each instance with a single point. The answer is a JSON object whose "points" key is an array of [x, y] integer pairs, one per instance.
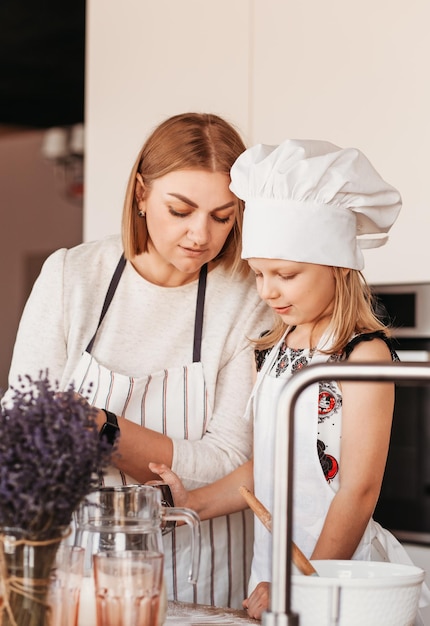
{"points": [[193, 252]]}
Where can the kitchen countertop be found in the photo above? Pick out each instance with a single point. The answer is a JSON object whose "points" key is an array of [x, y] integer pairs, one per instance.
{"points": [[179, 613]]}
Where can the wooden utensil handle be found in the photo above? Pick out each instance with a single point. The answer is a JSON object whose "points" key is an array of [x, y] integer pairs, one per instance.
{"points": [[302, 562], [299, 559], [259, 509]]}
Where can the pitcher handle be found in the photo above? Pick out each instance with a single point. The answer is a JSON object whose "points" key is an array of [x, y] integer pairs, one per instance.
{"points": [[189, 517]]}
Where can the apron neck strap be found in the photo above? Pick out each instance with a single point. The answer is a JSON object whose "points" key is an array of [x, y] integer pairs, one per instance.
{"points": [[200, 306], [198, 323], [108, 298]]}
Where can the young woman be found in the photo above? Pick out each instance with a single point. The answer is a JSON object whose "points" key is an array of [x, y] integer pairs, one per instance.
{"points": [[310, 207], [154, 327]]}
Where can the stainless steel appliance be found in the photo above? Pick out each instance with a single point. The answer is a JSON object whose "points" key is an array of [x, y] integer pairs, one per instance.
{"points": [[404, 504]]}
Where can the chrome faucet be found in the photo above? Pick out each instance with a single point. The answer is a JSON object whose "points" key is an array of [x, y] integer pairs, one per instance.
{"points": [[280, 613]]}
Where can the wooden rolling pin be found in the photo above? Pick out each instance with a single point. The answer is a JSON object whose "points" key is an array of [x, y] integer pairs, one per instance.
{"points": [[299, 559]]}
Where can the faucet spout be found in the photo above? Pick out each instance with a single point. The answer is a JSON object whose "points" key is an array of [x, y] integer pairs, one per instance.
{"points": [[280, 613]]}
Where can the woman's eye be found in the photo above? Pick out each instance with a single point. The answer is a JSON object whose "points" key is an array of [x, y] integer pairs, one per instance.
{"points": [[222, 220], [177, 213]]}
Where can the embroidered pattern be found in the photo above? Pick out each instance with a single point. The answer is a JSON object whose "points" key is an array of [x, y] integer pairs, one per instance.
{"points": [[288, 360]]}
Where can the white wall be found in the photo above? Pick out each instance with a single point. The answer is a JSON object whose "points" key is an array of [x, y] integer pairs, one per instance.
{"points": [[146, 61], [356, 74]]}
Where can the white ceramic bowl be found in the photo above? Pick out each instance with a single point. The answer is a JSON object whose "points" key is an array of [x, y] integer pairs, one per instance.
{"points": [[357, 593]]}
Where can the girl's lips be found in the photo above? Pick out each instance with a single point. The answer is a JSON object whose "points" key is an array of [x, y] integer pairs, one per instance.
{"points": [[282, 310]]}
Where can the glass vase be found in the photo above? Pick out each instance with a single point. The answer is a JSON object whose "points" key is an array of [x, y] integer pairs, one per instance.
{"points": [[25, 568]]}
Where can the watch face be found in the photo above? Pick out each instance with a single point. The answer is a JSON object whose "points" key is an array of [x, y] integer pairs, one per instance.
{"points": [[109, 432]]}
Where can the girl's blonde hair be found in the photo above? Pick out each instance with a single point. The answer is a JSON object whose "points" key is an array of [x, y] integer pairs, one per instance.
{"points": [[186, 141], [353, 313]]}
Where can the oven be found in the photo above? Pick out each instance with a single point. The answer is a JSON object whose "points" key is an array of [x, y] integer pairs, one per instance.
{"points": [[404, 503]]}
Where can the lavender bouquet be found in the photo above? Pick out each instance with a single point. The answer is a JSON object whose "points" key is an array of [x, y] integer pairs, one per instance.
{"points": [[51, 457]]}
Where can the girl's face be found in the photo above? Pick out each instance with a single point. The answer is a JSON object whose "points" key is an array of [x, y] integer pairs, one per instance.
{"points": [[189, 215], [300, 293]]}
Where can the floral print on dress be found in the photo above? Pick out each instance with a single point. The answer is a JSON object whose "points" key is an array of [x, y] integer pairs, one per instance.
{"points": [[329, 464], [290, 360], [329, 422], [329, 401]]}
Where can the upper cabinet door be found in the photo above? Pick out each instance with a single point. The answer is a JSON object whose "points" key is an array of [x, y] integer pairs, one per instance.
{"points": [[356, 74]]}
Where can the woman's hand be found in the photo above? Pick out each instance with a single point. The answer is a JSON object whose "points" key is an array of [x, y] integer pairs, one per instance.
{"points": [[258, 601], [179, 493]]}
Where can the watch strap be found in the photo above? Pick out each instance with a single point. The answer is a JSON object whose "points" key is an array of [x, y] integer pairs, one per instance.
{"points": [[110, 429], [111, 418]]}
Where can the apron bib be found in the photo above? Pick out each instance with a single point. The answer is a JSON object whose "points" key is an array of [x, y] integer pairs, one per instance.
{"points": [[175, 402], [264, 400]]}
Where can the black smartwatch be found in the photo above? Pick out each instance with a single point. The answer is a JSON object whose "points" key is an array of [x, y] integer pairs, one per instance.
{"points": [[110, 429]]}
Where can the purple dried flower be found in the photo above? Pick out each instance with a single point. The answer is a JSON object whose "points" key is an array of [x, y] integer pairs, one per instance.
{"points": [[51, 456]]}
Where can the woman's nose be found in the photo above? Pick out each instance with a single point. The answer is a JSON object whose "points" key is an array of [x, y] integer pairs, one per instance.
{"points": [[198, 231]]}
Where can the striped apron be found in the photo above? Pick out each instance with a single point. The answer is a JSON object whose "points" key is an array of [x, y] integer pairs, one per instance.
{"points": [[174, 402]]}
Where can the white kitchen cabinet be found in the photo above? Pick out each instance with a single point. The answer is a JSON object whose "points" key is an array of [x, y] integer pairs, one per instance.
{"points": [[354, 73]]}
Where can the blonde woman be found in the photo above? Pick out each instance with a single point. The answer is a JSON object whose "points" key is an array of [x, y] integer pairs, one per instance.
{"points": [[156, 324]]}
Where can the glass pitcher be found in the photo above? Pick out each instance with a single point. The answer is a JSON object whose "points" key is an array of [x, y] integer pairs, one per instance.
{"points": [[129, 517], [132, 517]]}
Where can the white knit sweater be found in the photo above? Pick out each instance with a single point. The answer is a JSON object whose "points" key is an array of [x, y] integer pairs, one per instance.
{"points": [[148, 328]]}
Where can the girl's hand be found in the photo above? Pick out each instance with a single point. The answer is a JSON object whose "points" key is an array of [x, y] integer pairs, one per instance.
{"points": [[179, 493], [258, 601]]}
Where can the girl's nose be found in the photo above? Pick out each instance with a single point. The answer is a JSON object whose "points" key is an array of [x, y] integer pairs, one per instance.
{"points": [[267, 289]]}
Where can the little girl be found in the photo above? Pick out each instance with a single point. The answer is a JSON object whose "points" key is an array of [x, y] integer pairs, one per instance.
{"points": [[310, 208]]}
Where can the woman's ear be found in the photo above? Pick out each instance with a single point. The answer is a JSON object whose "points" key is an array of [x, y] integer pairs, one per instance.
{"points": [[139, 190]]}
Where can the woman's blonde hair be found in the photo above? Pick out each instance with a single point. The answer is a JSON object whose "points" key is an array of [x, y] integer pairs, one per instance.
{"points": [[186, 141], [353, 313]]}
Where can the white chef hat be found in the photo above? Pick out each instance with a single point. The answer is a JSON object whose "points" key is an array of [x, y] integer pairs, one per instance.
{"points": [[312, 201]]}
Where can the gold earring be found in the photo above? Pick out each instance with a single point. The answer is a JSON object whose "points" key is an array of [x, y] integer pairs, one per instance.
{"points": [[141, 213]]}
